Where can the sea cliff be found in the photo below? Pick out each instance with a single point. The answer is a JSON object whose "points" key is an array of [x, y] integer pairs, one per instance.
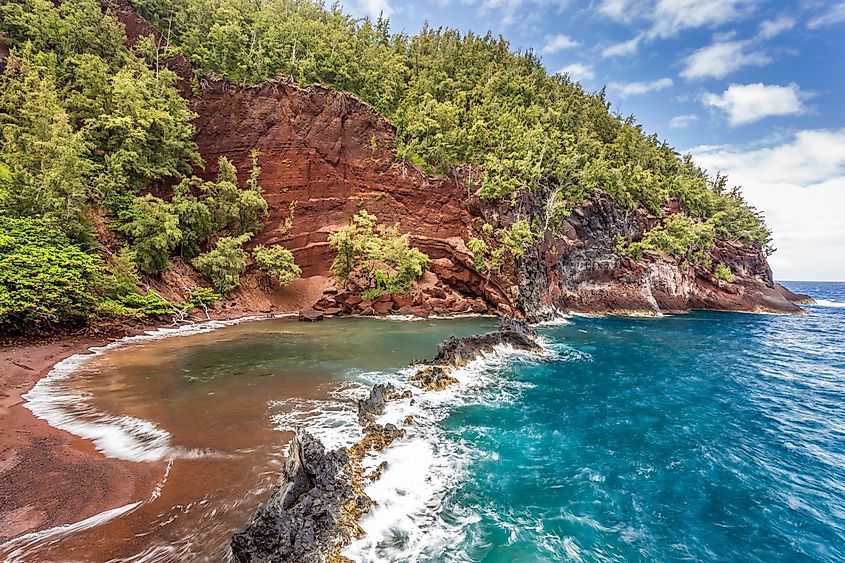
{"points": [[329, 155]]}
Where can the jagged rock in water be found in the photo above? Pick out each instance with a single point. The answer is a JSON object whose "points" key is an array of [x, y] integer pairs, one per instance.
{"points": [[307, 517], [435, 378], [376, 438], [373, 405], [458, 351]]}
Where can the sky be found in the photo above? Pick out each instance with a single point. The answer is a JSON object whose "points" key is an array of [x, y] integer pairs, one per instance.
{"points": [[754, 89]]}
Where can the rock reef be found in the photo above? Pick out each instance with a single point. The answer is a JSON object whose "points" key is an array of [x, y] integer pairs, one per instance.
{"points": [[457, 352], [313, 511], [311, 514]]}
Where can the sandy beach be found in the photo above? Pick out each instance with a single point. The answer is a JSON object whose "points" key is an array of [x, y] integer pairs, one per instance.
{"points": [[48, 477]]}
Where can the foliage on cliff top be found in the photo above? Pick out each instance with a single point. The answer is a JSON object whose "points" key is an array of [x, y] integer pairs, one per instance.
{"points": [[458, 99], [87, 124]]}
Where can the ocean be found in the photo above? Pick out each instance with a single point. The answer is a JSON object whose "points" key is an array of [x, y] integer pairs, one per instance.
{"points": [[699, 437]]}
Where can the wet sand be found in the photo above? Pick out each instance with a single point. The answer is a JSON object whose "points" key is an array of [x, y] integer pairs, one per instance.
{"points": [[215, 394], [48, 477]]}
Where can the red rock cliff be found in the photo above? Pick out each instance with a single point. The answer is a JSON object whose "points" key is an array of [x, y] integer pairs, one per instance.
{"points": [[333, 155]]}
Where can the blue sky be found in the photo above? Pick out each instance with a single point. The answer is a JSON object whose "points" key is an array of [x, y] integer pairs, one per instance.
{"points": [[754, 88]]}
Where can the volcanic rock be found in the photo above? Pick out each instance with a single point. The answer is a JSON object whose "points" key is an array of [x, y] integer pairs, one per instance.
{"points": [[306, 518]]}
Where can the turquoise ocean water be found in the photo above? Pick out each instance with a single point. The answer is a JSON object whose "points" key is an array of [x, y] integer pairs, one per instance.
{"points": [[701, 437]]}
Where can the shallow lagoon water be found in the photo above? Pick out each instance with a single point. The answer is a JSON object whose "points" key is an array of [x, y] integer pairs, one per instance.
{"points": [[709, 436]]}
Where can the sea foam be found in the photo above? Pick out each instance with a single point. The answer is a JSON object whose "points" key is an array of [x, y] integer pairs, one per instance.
{"points": [[829, 303], [426, 465], [121, 437]]}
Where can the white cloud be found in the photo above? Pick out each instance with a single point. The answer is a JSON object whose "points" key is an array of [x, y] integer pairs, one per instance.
{"points": [[672, 16], [578, 71], [557, 43], [373, 8], [517, 11], [832, 17], [616, 9], [772, 28], [682, 121], [799, 184], [721, 59], [623, 48], [747, 103], [667, 18], [626, 89]]}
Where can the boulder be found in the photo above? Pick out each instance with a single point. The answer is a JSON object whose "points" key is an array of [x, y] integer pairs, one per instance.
{"points": [[310, 315], [402, 300], [383, 307]]}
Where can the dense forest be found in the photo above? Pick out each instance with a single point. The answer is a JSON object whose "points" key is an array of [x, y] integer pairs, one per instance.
{"points": [[88, 125]]}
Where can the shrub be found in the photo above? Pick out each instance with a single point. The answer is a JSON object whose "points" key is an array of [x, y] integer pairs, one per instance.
{"points": [[46, 281], [203, 297], [479, 251], [278, 262], [677, 236], [393, 264], [223, 265], [517, 238], [122, 276], [138, 306], [724, 273]]}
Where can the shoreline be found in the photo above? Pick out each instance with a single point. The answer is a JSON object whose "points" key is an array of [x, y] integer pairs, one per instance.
{"points": [[50, 477]]}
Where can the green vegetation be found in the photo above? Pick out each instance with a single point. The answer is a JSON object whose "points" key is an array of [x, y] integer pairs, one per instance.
{"points": [[459, 99], [515, 240], [45, 281], [278, 262], [137, 306], [87, 125], [677, 236], [724, 273], [380, 253], [224, 265], [157, 228]]}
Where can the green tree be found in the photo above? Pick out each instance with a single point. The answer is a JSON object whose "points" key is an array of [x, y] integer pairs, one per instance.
{"points": [[44, 170], [154, 234], [224, 265], [278, 262]]}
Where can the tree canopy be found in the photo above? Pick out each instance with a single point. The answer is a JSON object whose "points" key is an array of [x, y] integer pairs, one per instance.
{"points": [[459, 99]]}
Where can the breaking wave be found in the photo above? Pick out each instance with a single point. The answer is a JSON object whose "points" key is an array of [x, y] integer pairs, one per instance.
{"points": [[121, 437]]}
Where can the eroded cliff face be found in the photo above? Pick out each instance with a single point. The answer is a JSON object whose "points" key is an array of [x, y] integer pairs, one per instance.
{"points": [[330, 155]]}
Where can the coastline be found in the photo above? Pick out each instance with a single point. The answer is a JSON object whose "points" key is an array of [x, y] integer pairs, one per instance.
{"points": [[48, 476]]}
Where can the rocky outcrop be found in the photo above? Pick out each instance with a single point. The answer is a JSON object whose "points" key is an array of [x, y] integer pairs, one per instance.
{"points": [[326, 155], [312, 512], [797, 298], [373, 405], [457, 352], [512, 332]]}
